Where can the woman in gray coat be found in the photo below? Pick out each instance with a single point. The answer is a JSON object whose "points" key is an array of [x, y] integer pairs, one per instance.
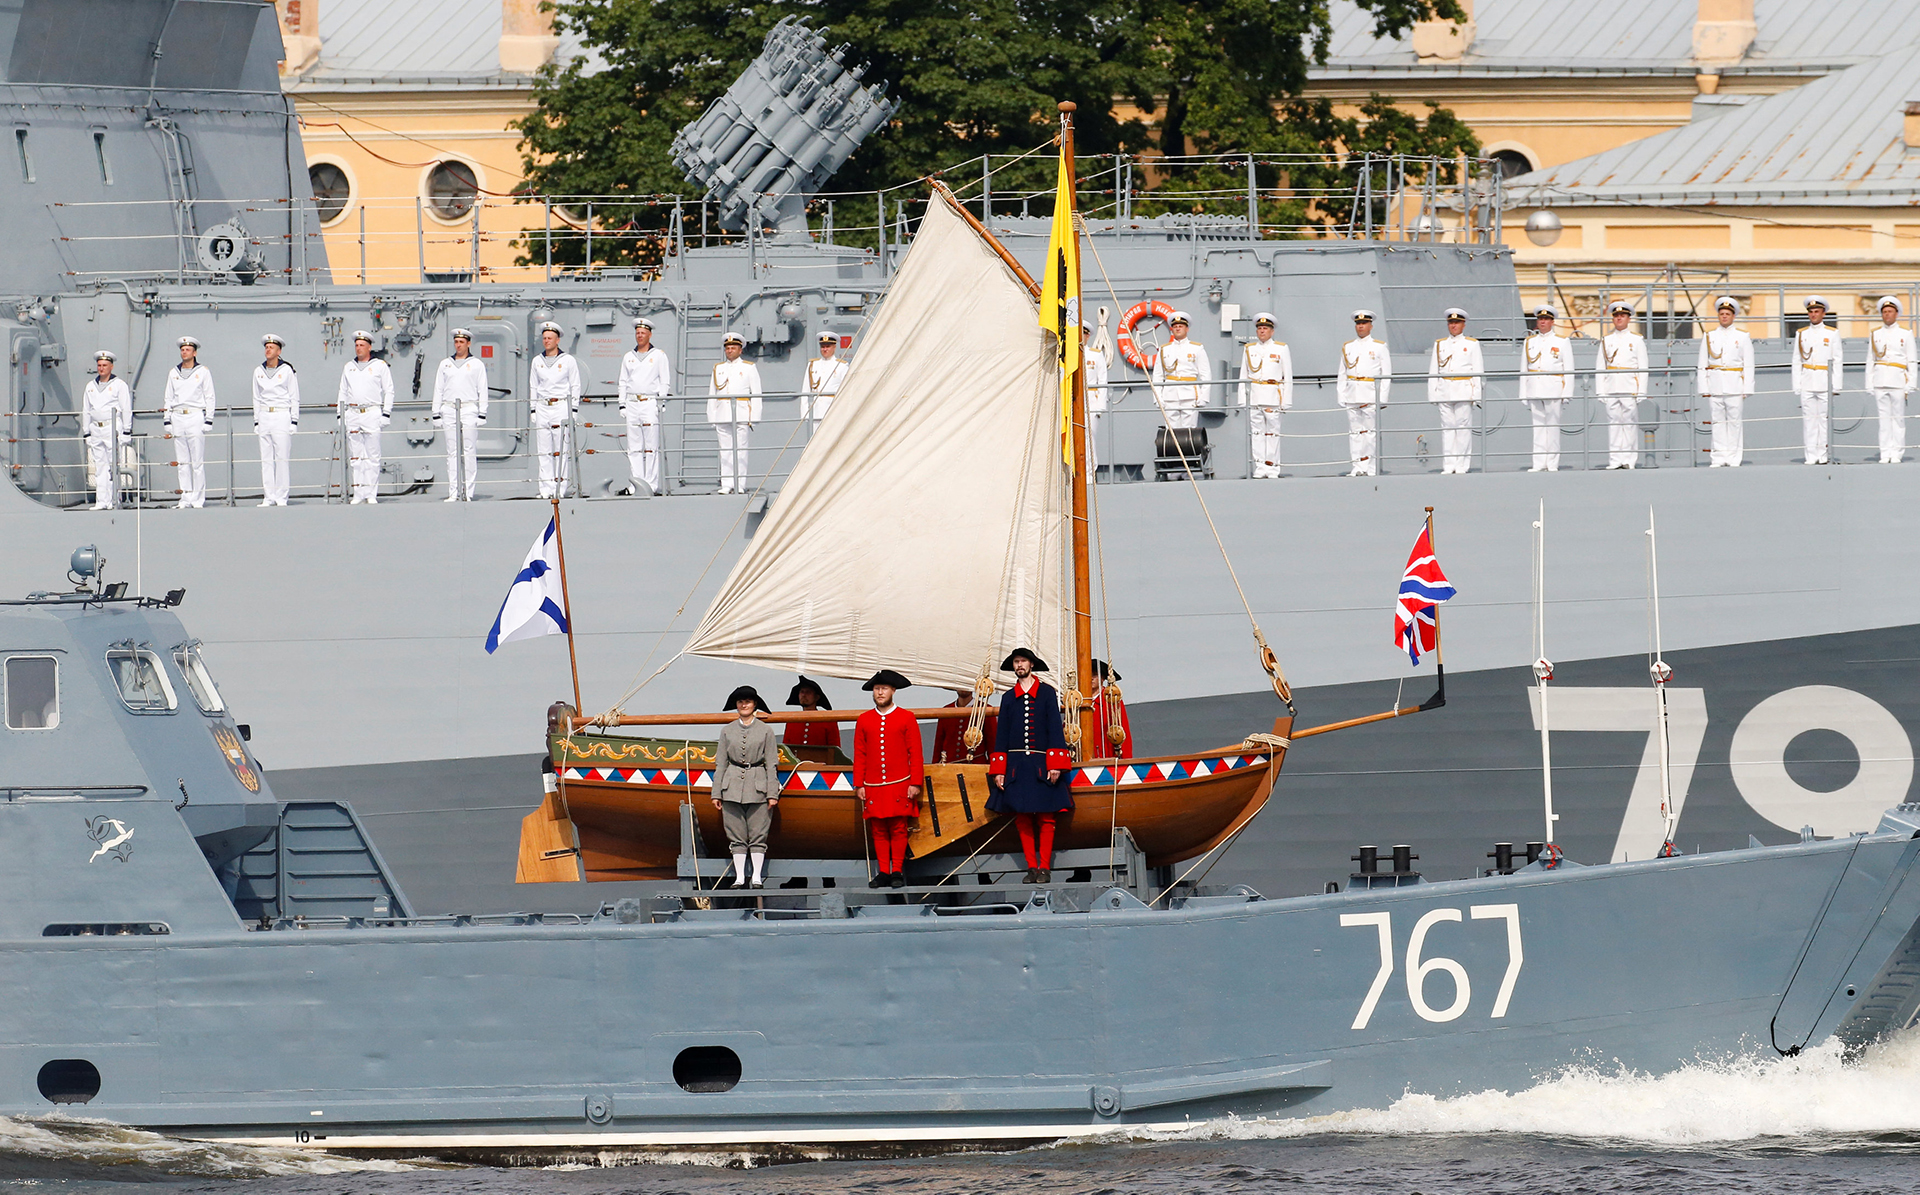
{"points": [[746, 785]]}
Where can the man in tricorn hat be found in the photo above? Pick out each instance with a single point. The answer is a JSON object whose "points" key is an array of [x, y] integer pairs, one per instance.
{"points": [[887, 774], [746, 785], [1029, 756], [811, 741], [1110, 714]]}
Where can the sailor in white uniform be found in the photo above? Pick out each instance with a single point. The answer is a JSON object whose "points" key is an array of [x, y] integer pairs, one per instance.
{"points": [[1891, 367], [1181, 372], [1266, 389], [187, 416], [106, 409], [554, 384], [1095, 363], [276, 416], [1819, 369], [825, 374], [365, 399], [733, 407], [646, 377], [1726, 379], [1620, 381], [460, 405], [1366, 375], [1456, 380], [1546, 383]]}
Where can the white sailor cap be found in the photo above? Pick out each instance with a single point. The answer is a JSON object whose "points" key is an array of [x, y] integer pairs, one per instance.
{"points": [[1263, 317], [829, 338], [186, 341], [1454, 313], [363, 334], [1179, 317], [1362, 314], [105, 355], [465, 334], [1893, 299], [273, 338], [550, 326], [1815, 301], [1727, 303], [733, 338], [1616, 307], [1548, 310], [641, 321]]}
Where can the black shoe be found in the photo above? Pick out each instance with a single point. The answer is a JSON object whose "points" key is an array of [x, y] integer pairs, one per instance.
{"points": [[758, 884], [1033, 876], [738, 882], [899, 880], [878, 881], [1043, 876]]}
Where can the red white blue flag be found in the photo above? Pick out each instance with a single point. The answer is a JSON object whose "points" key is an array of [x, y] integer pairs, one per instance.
{"points": [[1422, 588]]}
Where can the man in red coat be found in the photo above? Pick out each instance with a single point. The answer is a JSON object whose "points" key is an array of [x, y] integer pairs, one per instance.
{"points": [[1105, 713], [950, 737], [887, 774], [814, 742]]}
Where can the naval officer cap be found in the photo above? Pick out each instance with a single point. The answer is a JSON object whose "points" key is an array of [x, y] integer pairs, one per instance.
{"points": [[189, 342], [1548, 310], [829, 338], [362, 334], [1617, 307], [272, 338], [1727, 303], [1362, 315], [733, 338], [1816, 301], [1890, 300], [886, 676], [1263, 317], [641, 321], [1033, 657], [550, 326], [1454, 313], [105, 355], [465, 334], [1179, 317]]}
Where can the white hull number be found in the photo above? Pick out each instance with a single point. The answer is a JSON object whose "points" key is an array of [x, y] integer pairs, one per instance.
{"points": [[1419, 969]]}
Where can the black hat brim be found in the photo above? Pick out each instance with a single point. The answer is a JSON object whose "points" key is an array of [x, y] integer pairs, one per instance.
{"points": [[743, 693], [1106, 671], [886, 676], [807, 682], [1039, 665]]}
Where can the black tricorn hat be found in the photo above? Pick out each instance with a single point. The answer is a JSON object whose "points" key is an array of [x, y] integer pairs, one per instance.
{"points": [[1106, 671], [886, 676], [744, 693], [807, 682], [1039, 665]]}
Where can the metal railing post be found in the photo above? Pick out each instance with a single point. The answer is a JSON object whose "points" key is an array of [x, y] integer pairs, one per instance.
{"points": [[363, 244], [547, 233], [420, 237], [587, 262]]}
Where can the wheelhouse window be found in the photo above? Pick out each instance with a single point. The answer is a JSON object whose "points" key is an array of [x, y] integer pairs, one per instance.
{"points": [[200, 684], [32, 692], [141, 681]]}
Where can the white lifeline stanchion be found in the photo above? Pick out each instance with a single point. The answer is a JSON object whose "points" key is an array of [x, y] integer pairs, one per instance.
{"points": [[1543, 672], [1661, 674]]}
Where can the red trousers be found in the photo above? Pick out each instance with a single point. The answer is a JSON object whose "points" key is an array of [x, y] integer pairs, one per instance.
{"points": [[1036, 838], [889, 843]]}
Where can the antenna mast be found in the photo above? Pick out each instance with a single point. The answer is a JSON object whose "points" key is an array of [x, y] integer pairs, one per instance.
{"points": [[1543, 672], [1661, 673]]}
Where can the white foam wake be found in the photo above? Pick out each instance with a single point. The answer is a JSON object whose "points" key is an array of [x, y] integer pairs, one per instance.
{"points": [[103, 1143], [1812, 1096]]}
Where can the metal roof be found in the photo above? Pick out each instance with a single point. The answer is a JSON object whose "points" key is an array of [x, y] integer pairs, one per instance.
{"points": [[412, 42], [1836, 139], [1629, 36]]}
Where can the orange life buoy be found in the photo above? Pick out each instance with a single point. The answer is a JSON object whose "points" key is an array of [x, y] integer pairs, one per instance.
{"points": [[1134, 315]]}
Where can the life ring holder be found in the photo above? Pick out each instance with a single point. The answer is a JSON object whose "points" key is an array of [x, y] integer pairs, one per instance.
{"points": [[1134, 315]]}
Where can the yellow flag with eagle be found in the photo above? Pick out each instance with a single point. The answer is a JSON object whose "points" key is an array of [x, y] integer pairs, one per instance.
{"points": [[1060, 298]]}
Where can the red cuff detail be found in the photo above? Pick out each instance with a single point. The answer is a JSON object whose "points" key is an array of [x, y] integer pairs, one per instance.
{"points": [[1059, 759], [997, 763]]}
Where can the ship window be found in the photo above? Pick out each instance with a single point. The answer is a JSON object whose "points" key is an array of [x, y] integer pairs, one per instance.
{"points": [[143, 685], [100, 156], [452, 189], [33, 693], [331, 190], [706, 1068], [69, 1081], [26, 160], [200, 684]]}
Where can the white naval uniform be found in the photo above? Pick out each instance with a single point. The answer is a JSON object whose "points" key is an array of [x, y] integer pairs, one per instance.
{"points": [[366, 403], [1818, 375], [187, 416], [1095, 363], [554, 383], [276, 414], [107, 413], [1456, 379], [823, 381], [1546, 383], [1726, 379], [1266, 389], [1890, 375], [733, 407], [645, 379], [1620, 381], [460, 405], [1366, 375], [1180, 373]]}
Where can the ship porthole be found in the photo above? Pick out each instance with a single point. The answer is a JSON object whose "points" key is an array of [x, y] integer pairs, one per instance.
{"points": [[706, 1068], [69, 1081]]}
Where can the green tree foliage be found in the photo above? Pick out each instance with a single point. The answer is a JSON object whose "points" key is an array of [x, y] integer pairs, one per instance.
{"points": [[973, 77]]}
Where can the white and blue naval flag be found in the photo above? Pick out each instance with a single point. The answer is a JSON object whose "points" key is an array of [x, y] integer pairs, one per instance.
{"points": [[534, 605]]}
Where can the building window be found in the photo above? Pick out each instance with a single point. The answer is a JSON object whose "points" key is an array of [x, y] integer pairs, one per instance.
{"points": [[33, 693], [452, 189], [140, 681], [200, 684], [26, 160], [1510, 162], [100, 156], [331, 190]]}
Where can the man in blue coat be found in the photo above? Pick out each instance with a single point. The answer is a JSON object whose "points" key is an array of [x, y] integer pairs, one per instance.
{"points": [[1029, 758]]}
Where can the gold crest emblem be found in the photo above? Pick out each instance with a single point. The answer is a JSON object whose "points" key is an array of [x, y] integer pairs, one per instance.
{"points": [[228, 740]]}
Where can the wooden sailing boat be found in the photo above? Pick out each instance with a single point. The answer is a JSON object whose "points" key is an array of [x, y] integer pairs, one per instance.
{"points": [[945, 445]]}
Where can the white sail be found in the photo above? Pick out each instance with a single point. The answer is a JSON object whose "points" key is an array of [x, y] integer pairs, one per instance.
{"points": [[923, 529]]}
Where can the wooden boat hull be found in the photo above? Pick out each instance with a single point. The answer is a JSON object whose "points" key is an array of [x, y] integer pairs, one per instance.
{"points": [[622, 799]]}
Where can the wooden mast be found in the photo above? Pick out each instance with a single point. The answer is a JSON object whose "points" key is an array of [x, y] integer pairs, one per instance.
{"points": [[1093, 743]]}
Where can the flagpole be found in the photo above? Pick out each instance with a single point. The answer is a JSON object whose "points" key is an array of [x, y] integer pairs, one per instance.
{"points": [[573, 660], [1093, 743], [1439, 697]]}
